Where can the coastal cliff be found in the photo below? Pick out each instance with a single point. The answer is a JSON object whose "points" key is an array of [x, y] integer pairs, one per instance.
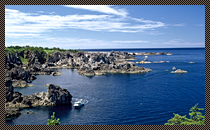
{"points": [[38, 60]]}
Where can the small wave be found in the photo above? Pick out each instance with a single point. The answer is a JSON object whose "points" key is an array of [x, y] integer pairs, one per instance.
{"points": [[85, 101]]}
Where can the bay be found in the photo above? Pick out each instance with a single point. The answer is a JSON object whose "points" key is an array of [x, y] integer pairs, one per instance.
{"points": [[126, 99]]}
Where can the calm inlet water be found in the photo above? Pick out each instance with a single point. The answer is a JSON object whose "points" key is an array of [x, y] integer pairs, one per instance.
{"points": [[126, 99]]}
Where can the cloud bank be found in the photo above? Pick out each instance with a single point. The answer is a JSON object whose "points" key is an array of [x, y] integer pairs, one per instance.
{"points": [[112, 20]]}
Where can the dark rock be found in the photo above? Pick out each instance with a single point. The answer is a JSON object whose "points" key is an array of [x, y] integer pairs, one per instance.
{"points": [[17, 97], [26, 54], [79, 54], [160, 53], [54, 96], [8, 90], [50, 60], [19, 83], [31, 59], [11, 113], [33, 77], [26, 101], [57, 56]]}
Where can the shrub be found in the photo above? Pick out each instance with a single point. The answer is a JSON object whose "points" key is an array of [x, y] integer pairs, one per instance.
{"points": [[53, 120], [196, 118]]}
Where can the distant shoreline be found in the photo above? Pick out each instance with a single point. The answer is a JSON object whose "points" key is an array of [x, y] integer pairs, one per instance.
{"points": [[142, 49]]}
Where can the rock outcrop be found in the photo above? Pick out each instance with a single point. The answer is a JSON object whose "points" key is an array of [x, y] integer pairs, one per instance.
{"points": [[11, 60], [98, 63], [8, 90], [143, 62], [179, 71], [31, 56], [54, 96], [147, 62], [151, 53], [21, 83], [160, 61], [22, 75], [11, 113]]}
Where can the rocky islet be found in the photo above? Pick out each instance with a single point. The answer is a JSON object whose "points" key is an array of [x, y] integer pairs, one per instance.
{"points": [[54, 96]]}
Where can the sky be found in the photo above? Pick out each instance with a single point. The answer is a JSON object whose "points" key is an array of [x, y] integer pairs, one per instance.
{"points": [[105, 26]]}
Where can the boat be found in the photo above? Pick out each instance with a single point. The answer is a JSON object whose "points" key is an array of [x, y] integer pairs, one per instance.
{"points": [[145, 58], [174, 68], [78, 104]]}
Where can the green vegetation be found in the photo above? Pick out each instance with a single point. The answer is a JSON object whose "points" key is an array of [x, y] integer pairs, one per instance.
{"points": [[19, 49], [53, 120], [24, 61], [13, 50], [42, 52], [196, 118]]}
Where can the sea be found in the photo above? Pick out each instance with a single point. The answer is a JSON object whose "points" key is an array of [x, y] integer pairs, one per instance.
{"points": [[125, 99]]}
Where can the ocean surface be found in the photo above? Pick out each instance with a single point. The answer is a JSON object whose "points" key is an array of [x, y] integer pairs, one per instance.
{"points": [[126, 99]]}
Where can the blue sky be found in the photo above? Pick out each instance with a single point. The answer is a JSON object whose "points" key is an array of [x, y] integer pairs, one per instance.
{"points": [[105, 26]]}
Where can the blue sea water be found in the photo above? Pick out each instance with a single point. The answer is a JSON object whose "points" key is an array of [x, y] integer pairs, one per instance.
{"points": [[126, 99]]}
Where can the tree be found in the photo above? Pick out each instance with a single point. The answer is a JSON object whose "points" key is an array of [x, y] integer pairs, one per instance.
{"points": [[196, 118], [53, 120], [46, 48]]}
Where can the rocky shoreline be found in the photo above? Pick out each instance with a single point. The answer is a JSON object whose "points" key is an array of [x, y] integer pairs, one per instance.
{"points": [[15, 100], [12, 113], [87, 63], [54, 96], [18, 74], [95, 63]]}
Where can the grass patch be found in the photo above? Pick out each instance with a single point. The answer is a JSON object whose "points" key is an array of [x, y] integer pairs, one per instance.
{"points": [[50, 51], [24, 61]]}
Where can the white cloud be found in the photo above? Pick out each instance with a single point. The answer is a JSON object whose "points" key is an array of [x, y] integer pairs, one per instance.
{"points": [[131, 41], [51, 12], [67, 43], [100, 8], [154, 33], [19, 22], [176, 40], [178, 25], [11, 11], [181, 42], [15, 35]]}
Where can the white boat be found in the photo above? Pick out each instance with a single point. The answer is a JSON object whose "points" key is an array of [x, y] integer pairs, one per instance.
{"points": [[78, 104], [174, 68]]}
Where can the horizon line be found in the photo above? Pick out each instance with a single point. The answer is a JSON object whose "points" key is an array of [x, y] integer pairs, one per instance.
{"points": [[146, 48], [116, 48]]}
